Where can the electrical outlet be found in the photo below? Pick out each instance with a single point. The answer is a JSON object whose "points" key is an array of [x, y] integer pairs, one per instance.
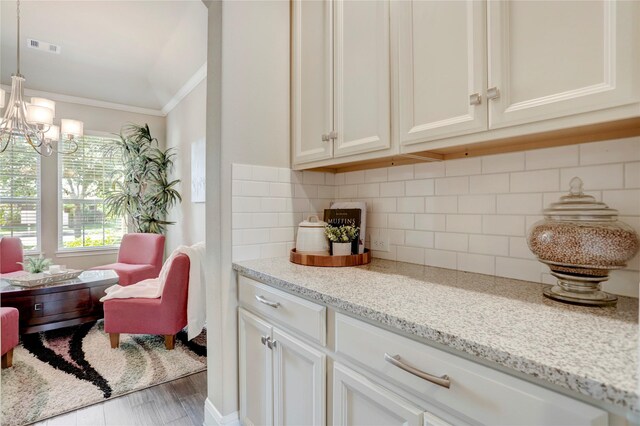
{"points": [[380, 240]]}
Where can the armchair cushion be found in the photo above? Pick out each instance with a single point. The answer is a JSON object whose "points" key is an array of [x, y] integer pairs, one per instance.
{"points": [[10, 254], [8, 328]]}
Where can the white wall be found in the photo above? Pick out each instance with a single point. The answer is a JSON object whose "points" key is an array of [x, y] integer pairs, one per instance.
{"points": [[248, 73], [186, 124], [95, 119]]}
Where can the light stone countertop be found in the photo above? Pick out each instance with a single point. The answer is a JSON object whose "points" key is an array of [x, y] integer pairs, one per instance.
{"points": [[592, 351]]}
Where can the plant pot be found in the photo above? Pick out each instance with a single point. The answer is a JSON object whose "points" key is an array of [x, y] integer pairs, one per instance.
{"points": [[341, 249]]}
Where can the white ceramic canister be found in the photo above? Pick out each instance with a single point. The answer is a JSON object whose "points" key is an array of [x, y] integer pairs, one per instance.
{"points": [[311, 238]]}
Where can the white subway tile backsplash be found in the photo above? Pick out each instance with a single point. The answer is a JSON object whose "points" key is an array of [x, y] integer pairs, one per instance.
{"points": [[264, 174], [313, 178], [519, 269], [626, 201], [410, 254], [632, 175], [410, 205], [400, 221], [422, 239], [552, 158], [429, 170], [419, 187], [368, 190], [519, 203], [477, 204], [392, 189], [614, 151], [443, 204], [471, 214], [452, 185], [431, 222], [467, 223], [536, 181], [609, 176], [503, 225], [354, 178], [511, 162], [478, 263], [440, 258], [463, 167], [451, 241], [400, 173], [489, 244], [375, 175], [489, 184]]}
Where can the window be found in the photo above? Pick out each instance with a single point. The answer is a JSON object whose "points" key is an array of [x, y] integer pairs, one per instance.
{"points": [[20, 194], [85, 181]]}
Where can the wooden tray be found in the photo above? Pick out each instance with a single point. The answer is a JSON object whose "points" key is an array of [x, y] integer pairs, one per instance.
{"points": [[330, 261]]}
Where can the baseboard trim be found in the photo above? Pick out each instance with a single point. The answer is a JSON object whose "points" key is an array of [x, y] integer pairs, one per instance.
{"points": [[212, 416]]}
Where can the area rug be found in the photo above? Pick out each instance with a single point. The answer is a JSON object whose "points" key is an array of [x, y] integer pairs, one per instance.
{"points": [[63, 370]]}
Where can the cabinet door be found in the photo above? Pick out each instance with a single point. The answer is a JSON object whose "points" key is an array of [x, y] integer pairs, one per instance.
{"points": [[361, 73], [256, 394], [441, 68], [358, 401], [553, 59], [312, 73], [299, 382]]}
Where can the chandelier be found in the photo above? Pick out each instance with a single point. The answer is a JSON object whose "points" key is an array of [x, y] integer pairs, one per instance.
{"points": [[33, 121]]}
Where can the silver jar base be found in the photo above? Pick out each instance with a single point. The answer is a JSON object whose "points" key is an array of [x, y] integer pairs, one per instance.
{"points": [[581, 290]]}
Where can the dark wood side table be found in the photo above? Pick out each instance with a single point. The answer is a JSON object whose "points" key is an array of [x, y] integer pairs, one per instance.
{"points": [[58, 305]]}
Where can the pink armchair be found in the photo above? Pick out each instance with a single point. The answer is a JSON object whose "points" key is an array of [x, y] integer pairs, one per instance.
{"points": [[10, 256], [166, 315], [8, 334], [139, 258]]}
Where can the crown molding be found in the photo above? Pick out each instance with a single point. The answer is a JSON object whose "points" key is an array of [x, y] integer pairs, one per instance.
{"points": [[89, 102], [191, 84]]}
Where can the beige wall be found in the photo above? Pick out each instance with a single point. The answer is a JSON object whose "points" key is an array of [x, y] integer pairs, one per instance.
{"points": [[95, 119], [248, 68], [186, 123]]}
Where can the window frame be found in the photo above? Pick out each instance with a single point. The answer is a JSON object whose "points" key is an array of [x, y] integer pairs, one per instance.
{"points": [[62, 251], [38, 202]]}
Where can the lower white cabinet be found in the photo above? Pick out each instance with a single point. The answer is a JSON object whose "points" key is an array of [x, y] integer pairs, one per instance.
{"points": [[282, 379], [359, 402]]}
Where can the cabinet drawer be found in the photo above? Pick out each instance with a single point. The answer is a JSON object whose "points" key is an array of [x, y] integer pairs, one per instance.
{"points": [[478, 392], [292, 312]]}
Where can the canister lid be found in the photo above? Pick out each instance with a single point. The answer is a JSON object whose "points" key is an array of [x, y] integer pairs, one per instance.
{"points": [[579, 206], [312, 222]]}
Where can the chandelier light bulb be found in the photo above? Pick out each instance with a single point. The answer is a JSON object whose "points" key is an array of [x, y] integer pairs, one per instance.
{"points": [[71, 127], [37, 114], [53, 134], [45, 103]]}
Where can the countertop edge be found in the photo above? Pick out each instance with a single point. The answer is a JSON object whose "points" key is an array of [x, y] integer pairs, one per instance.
{"points": [[583, 385]]}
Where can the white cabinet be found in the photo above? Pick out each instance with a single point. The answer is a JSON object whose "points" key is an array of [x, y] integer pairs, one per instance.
{"points": [[340, 80], [476, 66], [441, 68], [282, 379], [359, 402], [552, 59]]}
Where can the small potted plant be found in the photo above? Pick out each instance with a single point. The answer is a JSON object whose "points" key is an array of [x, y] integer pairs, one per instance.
{"points": [[36, 265], [341, 238]]}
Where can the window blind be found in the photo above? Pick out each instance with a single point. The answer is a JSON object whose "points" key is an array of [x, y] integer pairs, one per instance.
{"points": [[85, 181], [20, 194]]}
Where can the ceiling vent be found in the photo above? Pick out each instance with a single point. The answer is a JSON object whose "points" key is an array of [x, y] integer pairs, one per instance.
{"points": [[43, 45]]}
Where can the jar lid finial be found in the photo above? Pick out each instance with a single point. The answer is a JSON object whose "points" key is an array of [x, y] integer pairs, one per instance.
{"points": [[576, 186]]}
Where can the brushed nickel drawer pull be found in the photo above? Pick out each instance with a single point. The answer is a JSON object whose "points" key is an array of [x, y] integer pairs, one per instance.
{"points": [[261, 299], [443, 381], [37, 307]]}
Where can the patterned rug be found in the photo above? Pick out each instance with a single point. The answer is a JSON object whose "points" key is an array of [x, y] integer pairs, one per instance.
{"points": [[63, 370]]}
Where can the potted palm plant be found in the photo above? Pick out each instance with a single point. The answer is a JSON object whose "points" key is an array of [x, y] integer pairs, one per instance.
{"points": [[142, 191], [341, 238]]}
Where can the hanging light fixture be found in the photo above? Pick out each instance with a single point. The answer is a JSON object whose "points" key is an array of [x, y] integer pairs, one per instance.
{"points": [[33, 121]]}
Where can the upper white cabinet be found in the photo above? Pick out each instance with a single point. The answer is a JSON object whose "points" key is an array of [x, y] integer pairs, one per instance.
{"points": [[552, 59], [340, 79], [468, 67], [441, 68]]}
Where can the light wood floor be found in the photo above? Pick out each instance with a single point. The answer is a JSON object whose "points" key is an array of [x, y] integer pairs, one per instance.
{"points": [[177, 403]]}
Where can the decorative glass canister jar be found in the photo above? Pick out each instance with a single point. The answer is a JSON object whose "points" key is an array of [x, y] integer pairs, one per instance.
{"points": [[581, 240]]}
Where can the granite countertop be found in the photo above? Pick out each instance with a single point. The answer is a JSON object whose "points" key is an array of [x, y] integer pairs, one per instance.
{"points": [[592, 351]]}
